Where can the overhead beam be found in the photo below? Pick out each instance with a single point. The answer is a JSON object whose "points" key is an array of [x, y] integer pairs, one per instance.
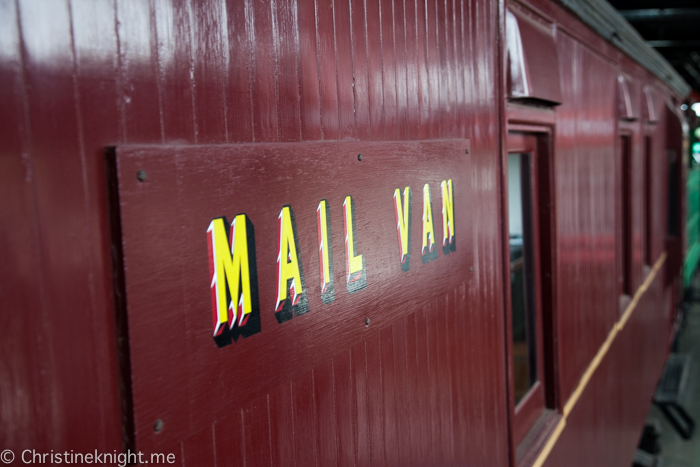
{"points": [[676, 43], [660, 14]]}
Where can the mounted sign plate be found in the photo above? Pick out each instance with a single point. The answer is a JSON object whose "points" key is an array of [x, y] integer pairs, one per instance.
{"points": [[324, 239]]}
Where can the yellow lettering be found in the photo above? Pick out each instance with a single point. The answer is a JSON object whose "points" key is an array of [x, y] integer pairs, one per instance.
{"points": [[325, 253], [403, 225], [290, 278], [233, 289], [448, 217], [428, 251], [355, 264]]}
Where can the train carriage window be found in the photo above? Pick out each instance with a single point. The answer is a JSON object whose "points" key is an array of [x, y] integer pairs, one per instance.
{"points": [[626, 217], [673, 195], [525, 367], [525, 308], [647, 202]]}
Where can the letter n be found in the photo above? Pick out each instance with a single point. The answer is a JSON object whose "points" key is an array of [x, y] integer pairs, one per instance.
{"points": [[448, 217]]}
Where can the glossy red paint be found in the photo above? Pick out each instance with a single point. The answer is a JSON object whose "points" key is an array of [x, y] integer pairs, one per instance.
{"points": [[264, 178], [427, 383], [533, 65]]}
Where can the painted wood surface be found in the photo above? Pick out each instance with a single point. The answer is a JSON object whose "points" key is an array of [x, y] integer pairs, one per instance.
{"points": [[426, 387], [182, 188]]}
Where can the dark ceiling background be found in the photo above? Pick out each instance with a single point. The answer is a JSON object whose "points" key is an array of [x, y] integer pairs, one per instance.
{"points": [[672, 28]]}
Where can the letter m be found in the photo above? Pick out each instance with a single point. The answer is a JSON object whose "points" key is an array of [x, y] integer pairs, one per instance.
{"points": [[233, 279]]}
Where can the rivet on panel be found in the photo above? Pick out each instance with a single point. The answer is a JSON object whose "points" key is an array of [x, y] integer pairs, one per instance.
{"points": [[158, 426], [466, 151], [359, 157], [471, 269], [141, 175], [366, 321]]}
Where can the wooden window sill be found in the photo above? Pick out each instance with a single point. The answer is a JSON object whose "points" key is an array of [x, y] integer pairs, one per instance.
{"points": [[535, 439]]}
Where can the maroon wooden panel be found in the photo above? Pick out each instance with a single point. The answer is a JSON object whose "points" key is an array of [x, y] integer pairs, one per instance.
{"points": [[240, 71], [387, 50], [375, 91], [585, 196], [174, 55], [143, 74], [71, 378], [422, 66], [375, 400], [391, 437], [411, 60], [309, 92], [138, 73], [325, 405], [23, 343], [287, 49], [345, 73], [78, 76], [256, 427], [399, 36], [95, 82], [229, 439], [282, 426], [609, 415], [199, 449], [360, 67], [435, 406], [360, 386], [260, 27], [305, 421], [402, 394], [327, 71], [415, 411], [346, 409], [433, 78], [173, 192]]}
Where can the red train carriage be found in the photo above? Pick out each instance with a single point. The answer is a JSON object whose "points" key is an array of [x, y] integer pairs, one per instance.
{"points": [[354, 232]]}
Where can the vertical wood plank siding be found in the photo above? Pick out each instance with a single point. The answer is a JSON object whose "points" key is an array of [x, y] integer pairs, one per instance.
{"points": [[77, 76]]}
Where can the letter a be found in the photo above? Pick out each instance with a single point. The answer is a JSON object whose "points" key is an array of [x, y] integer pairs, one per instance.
{"points": [[291, 288], [428, 251]]}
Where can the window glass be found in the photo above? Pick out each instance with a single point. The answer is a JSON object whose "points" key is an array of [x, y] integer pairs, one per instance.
{"points": [[647, 201], [522, 274], [673, 197], [626, 247]]}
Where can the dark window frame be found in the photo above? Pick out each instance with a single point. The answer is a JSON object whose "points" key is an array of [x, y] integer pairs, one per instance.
{"points": [[648, 200], [532, 420], [625, 152]]}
